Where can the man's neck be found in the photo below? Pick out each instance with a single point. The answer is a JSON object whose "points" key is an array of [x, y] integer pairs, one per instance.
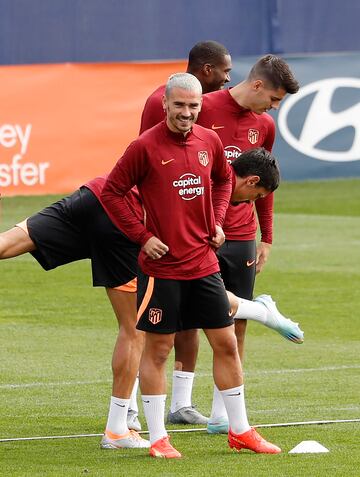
{"points": [[176, 131], [238, 93]]}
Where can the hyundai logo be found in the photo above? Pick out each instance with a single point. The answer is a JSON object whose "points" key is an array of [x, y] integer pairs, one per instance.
{"points": [[321, 121]]}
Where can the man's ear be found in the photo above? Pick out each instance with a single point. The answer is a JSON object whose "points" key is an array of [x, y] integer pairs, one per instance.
{"points": [[258, 84], [163, 100], [252, 180], [206, 69]]}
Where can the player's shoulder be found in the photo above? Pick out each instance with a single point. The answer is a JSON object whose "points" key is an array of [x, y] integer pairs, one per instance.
{"points": [[213, 98], [205, 134], [145, 143], [150, 135], [267, 119]]}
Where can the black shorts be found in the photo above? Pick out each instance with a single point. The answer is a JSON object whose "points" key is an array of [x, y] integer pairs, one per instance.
{"points": [[237, 261], [77, 227], [167, 306]]}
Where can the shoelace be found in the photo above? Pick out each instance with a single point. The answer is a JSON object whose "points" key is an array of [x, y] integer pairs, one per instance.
{"points": [[256, 436], [135, 435]]}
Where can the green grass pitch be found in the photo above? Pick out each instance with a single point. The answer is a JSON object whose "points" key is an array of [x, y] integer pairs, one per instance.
{"points": [[57, 335]]}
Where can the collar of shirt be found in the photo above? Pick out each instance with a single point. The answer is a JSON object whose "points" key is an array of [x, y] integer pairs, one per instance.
{"points": [[179, 138]]}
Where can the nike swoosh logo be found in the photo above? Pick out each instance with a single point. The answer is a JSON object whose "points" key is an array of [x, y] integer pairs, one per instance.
{"points": [[236, 394], [217, 127], [145, 401], [166, 162], [250, 262], [120, 405]]}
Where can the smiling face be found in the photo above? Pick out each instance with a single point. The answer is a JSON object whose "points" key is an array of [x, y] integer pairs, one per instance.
{"points": [[216, 76], [182, 108]]}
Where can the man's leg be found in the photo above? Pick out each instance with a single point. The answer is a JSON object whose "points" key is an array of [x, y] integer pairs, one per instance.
{"points": [[238, 267], [237, 261], [263, 310], [129, 342], [229, 380], [240, 331], [15, 242], [186, 350], [218, 422], [125, 365], [133, 412], [226, 362], [181, 409], [153, 390]]}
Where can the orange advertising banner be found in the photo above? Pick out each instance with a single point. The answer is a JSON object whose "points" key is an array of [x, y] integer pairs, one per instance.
{"points": [[63, 124]]}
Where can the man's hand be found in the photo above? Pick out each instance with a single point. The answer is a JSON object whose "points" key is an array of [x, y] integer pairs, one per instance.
{"points": [[154, 248], [219, 238], [262, 254]]}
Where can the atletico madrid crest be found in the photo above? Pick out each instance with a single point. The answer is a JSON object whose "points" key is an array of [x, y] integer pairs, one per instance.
{"points": [[155, 315], [203, 158], [253, 136]]}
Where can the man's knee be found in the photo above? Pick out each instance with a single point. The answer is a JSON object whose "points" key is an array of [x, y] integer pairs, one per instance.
{"points": [[158, 347], [223, 341]]}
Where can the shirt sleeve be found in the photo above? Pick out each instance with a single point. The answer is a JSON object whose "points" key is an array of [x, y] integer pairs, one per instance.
{"points": [[270, 134], [221, 183], [128, 171], [153, 113], [265, 212], [265, 206]]}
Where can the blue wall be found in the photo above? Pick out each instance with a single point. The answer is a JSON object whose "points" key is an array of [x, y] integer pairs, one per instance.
{"points": [[52, 31]]}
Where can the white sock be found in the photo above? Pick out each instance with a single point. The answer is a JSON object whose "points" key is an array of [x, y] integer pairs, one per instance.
{"points": [[181, 390], [218, 410], [116, 422], [154, 410], [250, 310], [234, 400], [133, 398]]}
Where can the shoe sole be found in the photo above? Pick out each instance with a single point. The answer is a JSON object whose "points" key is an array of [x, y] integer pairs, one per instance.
{"points": [[235, 449], [161, 456], [218, 430], [109, 446], [183, 422]]}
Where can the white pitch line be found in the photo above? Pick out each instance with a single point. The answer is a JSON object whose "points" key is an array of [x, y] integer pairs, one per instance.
{"points": [[247, 373], [61, 383], [305, 370], [307, 423], [282, 424]]}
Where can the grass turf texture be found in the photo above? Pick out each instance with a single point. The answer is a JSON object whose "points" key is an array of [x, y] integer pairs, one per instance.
{"points": [[57, 335]]}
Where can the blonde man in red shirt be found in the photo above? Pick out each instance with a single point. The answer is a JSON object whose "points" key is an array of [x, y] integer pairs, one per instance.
{"points": [[185, 186]]}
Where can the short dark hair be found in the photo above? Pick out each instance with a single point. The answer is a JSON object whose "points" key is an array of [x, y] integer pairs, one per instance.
{"points": [[258, 162], [205, 52], [276, 72]]}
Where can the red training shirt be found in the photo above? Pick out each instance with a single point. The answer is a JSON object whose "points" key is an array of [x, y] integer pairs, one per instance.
{"points": [[174, 175], [239, 130]]}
